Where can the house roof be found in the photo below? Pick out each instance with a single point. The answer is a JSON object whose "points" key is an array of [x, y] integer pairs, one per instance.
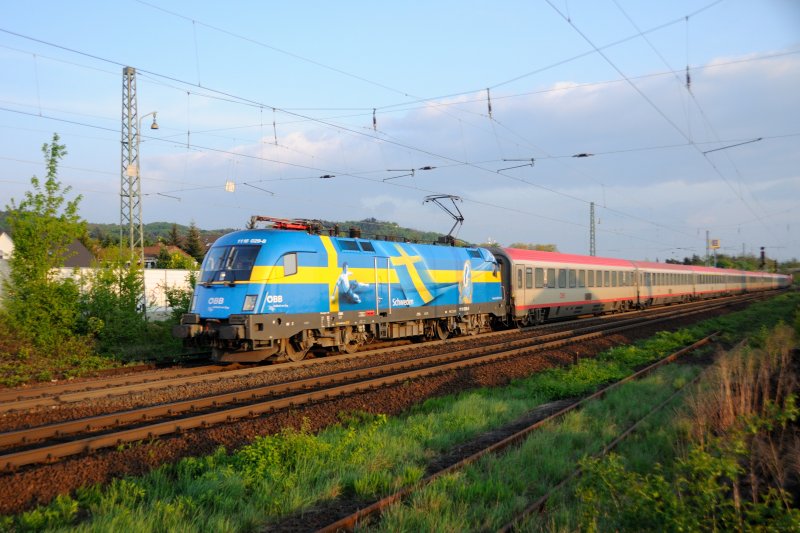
{"points": [[153, 251], [77, 254]]}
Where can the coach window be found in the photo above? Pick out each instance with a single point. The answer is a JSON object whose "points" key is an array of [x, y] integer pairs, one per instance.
{"points": [[551, 278], [590, 280], [529, 278], [613, 278], [598, 279], [606, 278], [562, 278], [519, 278], [581, 278], [539, 274], [573, 279]]}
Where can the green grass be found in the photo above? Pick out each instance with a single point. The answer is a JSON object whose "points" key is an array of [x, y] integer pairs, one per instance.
{"points": [[368, 455], [489, 493]]}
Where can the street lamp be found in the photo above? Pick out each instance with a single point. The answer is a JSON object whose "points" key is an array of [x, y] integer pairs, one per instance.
{"points": [[153, 126]]}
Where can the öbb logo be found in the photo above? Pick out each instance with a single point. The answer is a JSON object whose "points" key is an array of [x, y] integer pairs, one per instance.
{"points": [[216, 301], [274, 299]]}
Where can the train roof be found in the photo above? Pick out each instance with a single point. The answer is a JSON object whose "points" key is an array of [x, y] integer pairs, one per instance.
{"points": [[517, 254], [650, 265]]}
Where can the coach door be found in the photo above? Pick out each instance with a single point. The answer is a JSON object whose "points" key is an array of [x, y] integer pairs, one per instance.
{"points": [[383, 286], [519, 288]]}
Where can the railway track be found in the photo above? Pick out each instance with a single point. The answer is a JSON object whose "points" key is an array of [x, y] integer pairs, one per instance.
{"points": [[55, 441], [70, 393], [353, 520]]}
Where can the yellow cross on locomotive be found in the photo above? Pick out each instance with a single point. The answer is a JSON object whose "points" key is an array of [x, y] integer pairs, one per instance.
{"points": [[408, 261]]}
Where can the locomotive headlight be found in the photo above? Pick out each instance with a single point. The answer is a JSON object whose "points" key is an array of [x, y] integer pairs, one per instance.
{"points": [[249, 302]]}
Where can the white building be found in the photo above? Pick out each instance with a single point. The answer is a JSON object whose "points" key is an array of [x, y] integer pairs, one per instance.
{"points": [[6, 245]]}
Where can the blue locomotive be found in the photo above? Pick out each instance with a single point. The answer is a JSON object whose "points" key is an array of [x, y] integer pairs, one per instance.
{"points": [[277, 293]]}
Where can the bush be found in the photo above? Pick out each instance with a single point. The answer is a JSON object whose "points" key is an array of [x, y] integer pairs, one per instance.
{"points": [[109, 306]]}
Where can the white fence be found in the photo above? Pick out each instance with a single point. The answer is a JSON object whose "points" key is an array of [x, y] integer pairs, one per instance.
{"points": [[156, 281]]}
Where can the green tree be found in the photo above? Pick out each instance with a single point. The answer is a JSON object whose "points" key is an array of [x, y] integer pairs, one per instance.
{"points": [[532, 246], [164, 258], [194, 243], [109, 305], [43, 225], [174, 238]]}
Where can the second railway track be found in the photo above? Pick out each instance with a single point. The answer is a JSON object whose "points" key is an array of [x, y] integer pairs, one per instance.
{"points": [[54, 441]]}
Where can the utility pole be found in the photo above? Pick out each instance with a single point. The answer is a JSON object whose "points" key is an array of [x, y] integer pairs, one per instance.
{"points": [[130, 191], [708, 243], [592, 242]]}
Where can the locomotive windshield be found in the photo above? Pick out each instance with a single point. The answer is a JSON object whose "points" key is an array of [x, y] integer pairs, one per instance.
{"points": [[229, 263]]}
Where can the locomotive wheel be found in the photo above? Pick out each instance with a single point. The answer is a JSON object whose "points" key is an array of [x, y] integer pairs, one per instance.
{"points": [[350, 341], [293, 352], [440, 330]]}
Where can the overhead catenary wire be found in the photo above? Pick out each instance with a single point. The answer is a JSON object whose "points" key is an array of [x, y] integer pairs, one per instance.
{"points": [[411, 147], [657, 109]]}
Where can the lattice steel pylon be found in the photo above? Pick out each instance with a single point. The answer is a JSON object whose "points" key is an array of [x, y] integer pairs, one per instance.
{"points": [[130, 191]]}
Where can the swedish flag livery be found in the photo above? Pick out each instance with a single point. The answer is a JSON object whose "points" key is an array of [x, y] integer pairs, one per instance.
{"points": [[273, 293]]}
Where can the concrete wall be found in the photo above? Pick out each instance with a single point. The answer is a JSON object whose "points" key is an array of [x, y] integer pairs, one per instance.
{"points": [[156, 280]]}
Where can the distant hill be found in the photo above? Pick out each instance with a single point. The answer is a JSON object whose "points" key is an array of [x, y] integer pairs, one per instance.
{"points": [[153, 232], [160, 231], [374, 228]]}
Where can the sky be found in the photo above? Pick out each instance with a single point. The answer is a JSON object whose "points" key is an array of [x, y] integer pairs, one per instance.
{"points": [[528, 111]]}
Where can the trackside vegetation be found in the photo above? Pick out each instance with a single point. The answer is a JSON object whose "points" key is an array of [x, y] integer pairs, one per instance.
{"points": [[366, 456], [54, 328]]}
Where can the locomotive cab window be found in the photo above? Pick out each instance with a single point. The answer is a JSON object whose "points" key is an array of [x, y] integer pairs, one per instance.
{"points": [[348, 245], [366, 246], [229, 263]]}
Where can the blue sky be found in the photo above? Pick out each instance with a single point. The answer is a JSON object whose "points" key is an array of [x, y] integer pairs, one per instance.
{"points": [[602, 77]]}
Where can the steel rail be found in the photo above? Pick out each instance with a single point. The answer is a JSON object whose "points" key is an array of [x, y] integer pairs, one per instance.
{"points": [[538, 505], [350, 522], [63, 393], [518, 347], [25, 398], [61, 450]]}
